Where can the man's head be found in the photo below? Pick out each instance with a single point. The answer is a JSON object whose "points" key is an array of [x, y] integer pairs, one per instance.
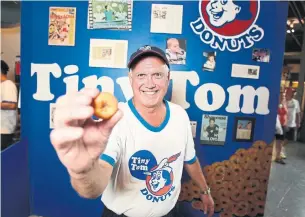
{"points": [[149, 76], [289, 93], [159, 179], [212, 122], [4, 70], [225, 11], [173, 45]]}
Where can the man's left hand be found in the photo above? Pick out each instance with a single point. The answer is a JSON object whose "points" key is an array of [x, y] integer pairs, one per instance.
{"points": [[208, 204]]}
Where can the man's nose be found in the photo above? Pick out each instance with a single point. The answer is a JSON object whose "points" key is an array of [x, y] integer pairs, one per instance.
{"points": [[150, 82]]}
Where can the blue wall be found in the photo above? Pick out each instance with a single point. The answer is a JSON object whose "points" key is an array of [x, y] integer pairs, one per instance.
{"points": [[15, 195], [51, 193]]}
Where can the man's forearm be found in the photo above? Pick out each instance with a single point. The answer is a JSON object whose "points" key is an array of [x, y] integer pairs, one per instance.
{"points": [[195, 172], [93, 183], [8, 106]]}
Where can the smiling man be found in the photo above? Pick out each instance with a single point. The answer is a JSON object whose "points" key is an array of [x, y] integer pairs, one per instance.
{"points": [[135, 161]]}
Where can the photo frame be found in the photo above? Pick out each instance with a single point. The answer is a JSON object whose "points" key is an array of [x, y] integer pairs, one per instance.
{"points": [[261, 55], [176, 50], [244, 129], [209, 61]]}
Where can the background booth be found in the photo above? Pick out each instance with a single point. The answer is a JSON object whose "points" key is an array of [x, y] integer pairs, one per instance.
{"points": [[69, 45]]}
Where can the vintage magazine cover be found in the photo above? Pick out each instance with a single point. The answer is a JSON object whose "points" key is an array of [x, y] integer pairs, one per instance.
{"points": [[213, 129], [110, 14], [62, 26]]}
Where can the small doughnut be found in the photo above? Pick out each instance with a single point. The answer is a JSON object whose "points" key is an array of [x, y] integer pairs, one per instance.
{"points": [[105, 105]]}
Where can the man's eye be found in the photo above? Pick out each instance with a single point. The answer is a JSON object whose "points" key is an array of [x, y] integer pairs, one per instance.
{"points": [[141, 75], [158, 75]]}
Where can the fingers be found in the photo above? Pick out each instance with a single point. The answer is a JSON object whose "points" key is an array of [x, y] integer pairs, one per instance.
{"points": [[61, 137], [68, 115], [83, 97], [106, 126], [73, 108], [205, 208], [211, 211]]}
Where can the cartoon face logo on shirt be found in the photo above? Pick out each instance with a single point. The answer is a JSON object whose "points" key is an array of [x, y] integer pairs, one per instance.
{"points": [[158, 177], [228, 24]]}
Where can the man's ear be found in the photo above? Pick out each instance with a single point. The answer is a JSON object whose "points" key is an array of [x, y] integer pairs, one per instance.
{"points": [[130, 77]]}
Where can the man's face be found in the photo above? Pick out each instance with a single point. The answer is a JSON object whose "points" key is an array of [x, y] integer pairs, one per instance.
{"points": [[157, 181], [222, 11], [212, 123], [289, 95], [149, 81]]}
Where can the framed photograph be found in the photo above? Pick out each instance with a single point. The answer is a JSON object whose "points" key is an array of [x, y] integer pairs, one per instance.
{"points": [[244, 129], [213, 129], [176, 50], [210, 61], [261, 55], [110, 14]]}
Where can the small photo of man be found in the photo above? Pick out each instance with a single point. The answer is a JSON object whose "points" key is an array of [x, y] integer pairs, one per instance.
{"points": [[176, 51], [261, 55], [252, 72], [210, 63]]}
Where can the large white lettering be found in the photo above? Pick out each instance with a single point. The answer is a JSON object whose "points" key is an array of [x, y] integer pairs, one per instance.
{"points": [[249, 94], [43, 71], [179, 88], [179, 80], [201, 97]]}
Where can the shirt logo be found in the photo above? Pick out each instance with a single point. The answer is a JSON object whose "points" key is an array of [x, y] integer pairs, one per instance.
{"points": [[158, 177], [228, 24]]}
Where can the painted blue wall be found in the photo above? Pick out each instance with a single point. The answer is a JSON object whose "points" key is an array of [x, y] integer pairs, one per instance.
{"points": [[51, 193], [15, 194]]}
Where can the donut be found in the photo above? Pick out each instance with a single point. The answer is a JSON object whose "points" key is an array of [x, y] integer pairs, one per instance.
{"points": [[226, 214], [260, 145], [105, 105], [241, 208]]}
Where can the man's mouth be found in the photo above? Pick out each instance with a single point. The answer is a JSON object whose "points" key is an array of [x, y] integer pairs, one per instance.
{"points": [[217, 15], [150, 92]]}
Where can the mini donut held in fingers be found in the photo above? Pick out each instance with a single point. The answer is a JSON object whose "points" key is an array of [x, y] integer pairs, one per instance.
{"points": [[105, 105]]}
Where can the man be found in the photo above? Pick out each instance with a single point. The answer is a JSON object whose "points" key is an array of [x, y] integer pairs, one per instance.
{"points": [[213, 130], [8, 107], [294, 115], [135, 160]]}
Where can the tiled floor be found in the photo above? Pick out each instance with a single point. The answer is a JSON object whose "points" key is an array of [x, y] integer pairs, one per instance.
{"points": [[286, 189]]}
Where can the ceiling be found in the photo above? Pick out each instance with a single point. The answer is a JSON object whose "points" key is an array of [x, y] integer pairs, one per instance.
{"points": [[10, 14]]}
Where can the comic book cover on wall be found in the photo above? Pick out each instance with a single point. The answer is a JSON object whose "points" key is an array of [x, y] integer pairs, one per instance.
{"points": [[115, 15], [214, 128], [62, 26]]}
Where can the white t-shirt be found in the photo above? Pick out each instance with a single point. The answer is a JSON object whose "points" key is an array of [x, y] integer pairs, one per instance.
{"points": [[8, 117], [148, 162], [293, 107], [278, 126]]}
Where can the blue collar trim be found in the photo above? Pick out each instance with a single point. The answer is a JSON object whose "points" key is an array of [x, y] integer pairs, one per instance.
{"points": [[145, 123]]}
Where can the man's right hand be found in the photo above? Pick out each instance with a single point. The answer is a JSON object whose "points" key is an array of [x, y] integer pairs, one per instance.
{"points": [[77, 138]]}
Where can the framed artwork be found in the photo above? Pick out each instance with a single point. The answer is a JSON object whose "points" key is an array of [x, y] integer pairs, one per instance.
{"points": [[244, 129]]}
